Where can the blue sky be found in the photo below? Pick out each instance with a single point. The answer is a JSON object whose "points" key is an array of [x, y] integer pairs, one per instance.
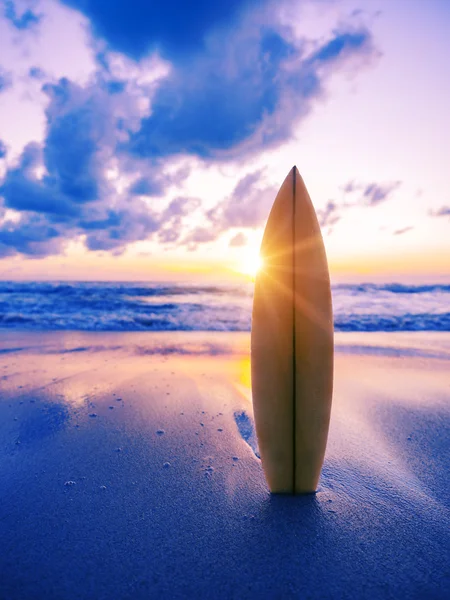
{"points": [[147, 141]]}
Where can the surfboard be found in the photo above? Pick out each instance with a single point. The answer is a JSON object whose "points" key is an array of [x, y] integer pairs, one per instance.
{"points": [[292, 343]]}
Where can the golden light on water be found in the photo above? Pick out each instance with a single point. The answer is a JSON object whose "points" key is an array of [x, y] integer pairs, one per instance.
{"points": [[242, 379]]}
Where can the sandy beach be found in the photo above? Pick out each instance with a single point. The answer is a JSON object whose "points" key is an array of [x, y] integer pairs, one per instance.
{"points": [[129, 469]]}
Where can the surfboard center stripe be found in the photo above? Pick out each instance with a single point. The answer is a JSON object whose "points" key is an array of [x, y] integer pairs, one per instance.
{"points": [[294, 362]]}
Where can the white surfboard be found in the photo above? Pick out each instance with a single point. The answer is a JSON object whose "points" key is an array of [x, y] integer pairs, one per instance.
{"points": [[292, 343]]}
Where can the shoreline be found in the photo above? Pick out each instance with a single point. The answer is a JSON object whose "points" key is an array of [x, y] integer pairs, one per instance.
{"points": [[429, 344]]}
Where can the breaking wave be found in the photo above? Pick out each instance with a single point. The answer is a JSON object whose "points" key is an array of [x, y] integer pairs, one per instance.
{"points": [[182, 307]]}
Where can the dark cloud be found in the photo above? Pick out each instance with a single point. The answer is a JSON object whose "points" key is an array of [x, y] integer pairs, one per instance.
{"points": [[23, 21], [3, 150], [175, 28], [244, 95], [28, 193], [444, 211], [5, 79], [80, 142], [61, 188], [33, 236], [403, 230], [22, 190], [71, 155]]}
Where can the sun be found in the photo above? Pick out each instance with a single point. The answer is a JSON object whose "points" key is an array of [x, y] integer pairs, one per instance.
{"points": [[250, 265]]}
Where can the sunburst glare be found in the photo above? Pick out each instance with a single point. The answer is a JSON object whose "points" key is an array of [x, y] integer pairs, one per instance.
{"points": [[250, 265]]}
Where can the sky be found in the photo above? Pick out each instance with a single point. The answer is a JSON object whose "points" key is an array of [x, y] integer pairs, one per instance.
{"points": [[147, 140]]}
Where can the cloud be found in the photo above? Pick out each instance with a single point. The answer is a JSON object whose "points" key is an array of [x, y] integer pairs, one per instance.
{"points": [[146, 187], [374, 193], [26, 20], [329, 215], [63, 187], [342, 43], [125, 224], [371, 194], [444, 211], [23, 191], [68, 169], [171, 220], [200, 235], [240, 239], [78, 184], [5, 79], [248, 206], [36, 73], [236, 85], [174, 28], [156, 184], [72, 157], [244, 95], [403, 230], [364, 194], [33, 236], [3, 150]]}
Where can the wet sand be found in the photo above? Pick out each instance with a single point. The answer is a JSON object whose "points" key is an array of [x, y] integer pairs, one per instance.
{"points": [[129, 469]]}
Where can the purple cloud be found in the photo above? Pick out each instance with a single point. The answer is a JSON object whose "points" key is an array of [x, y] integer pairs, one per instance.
{"points": [[444, 211], [371, 194], [240, 239], [329, 215], [374, 193], [403, 230], [247, 206]]}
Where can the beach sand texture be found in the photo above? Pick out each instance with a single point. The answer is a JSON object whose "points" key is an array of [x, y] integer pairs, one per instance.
{"points": [[129, 469]]}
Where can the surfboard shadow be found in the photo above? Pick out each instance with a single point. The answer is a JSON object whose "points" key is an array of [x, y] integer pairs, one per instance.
{"points": [[246, 428]]}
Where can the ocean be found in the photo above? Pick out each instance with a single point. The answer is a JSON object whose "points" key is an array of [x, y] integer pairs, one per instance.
{"points": [[181, 307]]}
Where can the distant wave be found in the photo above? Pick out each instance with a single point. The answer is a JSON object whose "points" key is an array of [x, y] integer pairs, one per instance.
{"points": [[183, 307], [407, 322], [90, 289], [395, 288]]}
